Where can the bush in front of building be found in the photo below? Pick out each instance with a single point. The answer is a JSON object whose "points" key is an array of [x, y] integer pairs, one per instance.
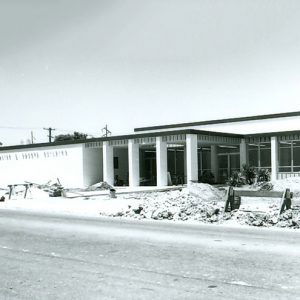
{"points": [[236, 179], [207, 177], [264, 175], [249, 174]]}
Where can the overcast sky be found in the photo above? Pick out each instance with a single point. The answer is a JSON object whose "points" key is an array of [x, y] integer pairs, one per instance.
{"points": [[78, 65]]}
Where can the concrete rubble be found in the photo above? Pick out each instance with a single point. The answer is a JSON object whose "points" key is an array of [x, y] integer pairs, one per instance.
{"points": [[203, 203]]}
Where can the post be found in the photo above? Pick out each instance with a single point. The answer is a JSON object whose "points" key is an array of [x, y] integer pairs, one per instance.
{"points": [[192, 157], [243, 154], [214, 161], [133, 163], [274, 157], [184, 165], [161, 162], [108, 163]]}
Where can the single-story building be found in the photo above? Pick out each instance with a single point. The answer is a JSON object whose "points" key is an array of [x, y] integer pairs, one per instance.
{"points": [[162, 155]]}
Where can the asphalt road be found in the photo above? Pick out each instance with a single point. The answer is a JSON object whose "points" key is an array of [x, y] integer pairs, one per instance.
{"points": [[63, 257]]}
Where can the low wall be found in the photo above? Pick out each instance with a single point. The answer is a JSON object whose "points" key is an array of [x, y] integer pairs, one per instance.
{"points": [[287, 175]]}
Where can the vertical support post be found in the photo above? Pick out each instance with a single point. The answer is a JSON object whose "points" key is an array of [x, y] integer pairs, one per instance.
{"points": [[244, 160], [192, 157], [108, 163], [133, 163], [214, 161], [161, 162], [274, 157], [184, 165]]}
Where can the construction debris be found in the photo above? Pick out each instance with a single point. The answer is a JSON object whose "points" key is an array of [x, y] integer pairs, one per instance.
{"points": [[176, 205], [100, 186], [204, 203]]}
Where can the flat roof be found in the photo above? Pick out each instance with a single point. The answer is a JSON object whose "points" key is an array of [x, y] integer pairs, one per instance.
{"points": [[148, 134], [121, 137], [220, 121]]}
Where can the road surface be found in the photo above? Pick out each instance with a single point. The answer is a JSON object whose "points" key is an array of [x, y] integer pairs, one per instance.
{"points": [[64, 257]]}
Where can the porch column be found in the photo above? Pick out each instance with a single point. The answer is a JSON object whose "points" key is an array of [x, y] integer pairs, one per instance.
{"points": [[243, 154], [161, 162], [214, 161], [191, 157], [133, 163], [108, 163], [274, 157]]}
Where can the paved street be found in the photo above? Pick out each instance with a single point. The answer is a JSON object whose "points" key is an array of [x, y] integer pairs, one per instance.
{"points": [[64, 257]]}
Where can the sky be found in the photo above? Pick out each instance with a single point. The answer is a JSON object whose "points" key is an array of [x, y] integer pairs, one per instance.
{"points": [[77, 65]]}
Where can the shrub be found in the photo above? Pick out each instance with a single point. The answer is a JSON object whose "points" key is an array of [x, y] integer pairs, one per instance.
{"points": [[236, 179], [249, 173], [207, 177], [263, 175]]}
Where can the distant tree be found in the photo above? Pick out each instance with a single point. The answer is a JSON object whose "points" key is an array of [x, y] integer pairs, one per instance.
{"points": [[70, 137]]}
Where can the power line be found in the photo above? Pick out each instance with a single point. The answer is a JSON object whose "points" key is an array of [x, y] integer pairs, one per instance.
{"points": [[20, 128]]}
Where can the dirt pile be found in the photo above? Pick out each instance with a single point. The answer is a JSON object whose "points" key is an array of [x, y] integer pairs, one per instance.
{"points": [[205, 204], [175, 205], [290, 218]]}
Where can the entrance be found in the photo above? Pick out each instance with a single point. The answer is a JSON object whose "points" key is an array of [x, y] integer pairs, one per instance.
{"points": [[228, 163]]}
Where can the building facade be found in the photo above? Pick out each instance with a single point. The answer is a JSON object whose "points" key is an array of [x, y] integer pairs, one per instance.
{"points": [[160, 155]]}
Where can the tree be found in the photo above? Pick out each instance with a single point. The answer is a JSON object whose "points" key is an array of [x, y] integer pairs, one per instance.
{"points": [[70, 137]]}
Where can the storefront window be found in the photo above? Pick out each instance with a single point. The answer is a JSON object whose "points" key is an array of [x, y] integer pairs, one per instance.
{"points": [[296, 156], [206, 160], [253, 155], [285, 156], [260, 155], [265, 155]]}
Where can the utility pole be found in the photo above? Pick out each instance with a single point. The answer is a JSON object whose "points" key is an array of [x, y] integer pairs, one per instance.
{"points": [[106, 131], [50, 133], [32, 138]]}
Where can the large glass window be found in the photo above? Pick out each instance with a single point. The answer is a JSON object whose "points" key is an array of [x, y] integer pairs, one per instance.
{"points": [[289, 156], [206, 159], [265, 155], [253, 155], [260, 155], [296, 156]]}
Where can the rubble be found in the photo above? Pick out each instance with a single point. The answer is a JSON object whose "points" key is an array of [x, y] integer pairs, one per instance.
{"points": [[99, 186], [178, 205], [203, 203]]}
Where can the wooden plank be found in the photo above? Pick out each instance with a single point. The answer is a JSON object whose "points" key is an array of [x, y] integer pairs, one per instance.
{"points": [[228, 199], [247, 193], [282, 204]]}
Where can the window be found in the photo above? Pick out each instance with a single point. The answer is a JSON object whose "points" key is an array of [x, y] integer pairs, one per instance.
{"points": [[265, 155], [289, 156], [260, 155], [253, 155]]}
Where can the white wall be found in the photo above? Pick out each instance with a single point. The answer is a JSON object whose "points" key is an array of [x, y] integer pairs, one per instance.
{"points": [[42, 164], [92, 165]]}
